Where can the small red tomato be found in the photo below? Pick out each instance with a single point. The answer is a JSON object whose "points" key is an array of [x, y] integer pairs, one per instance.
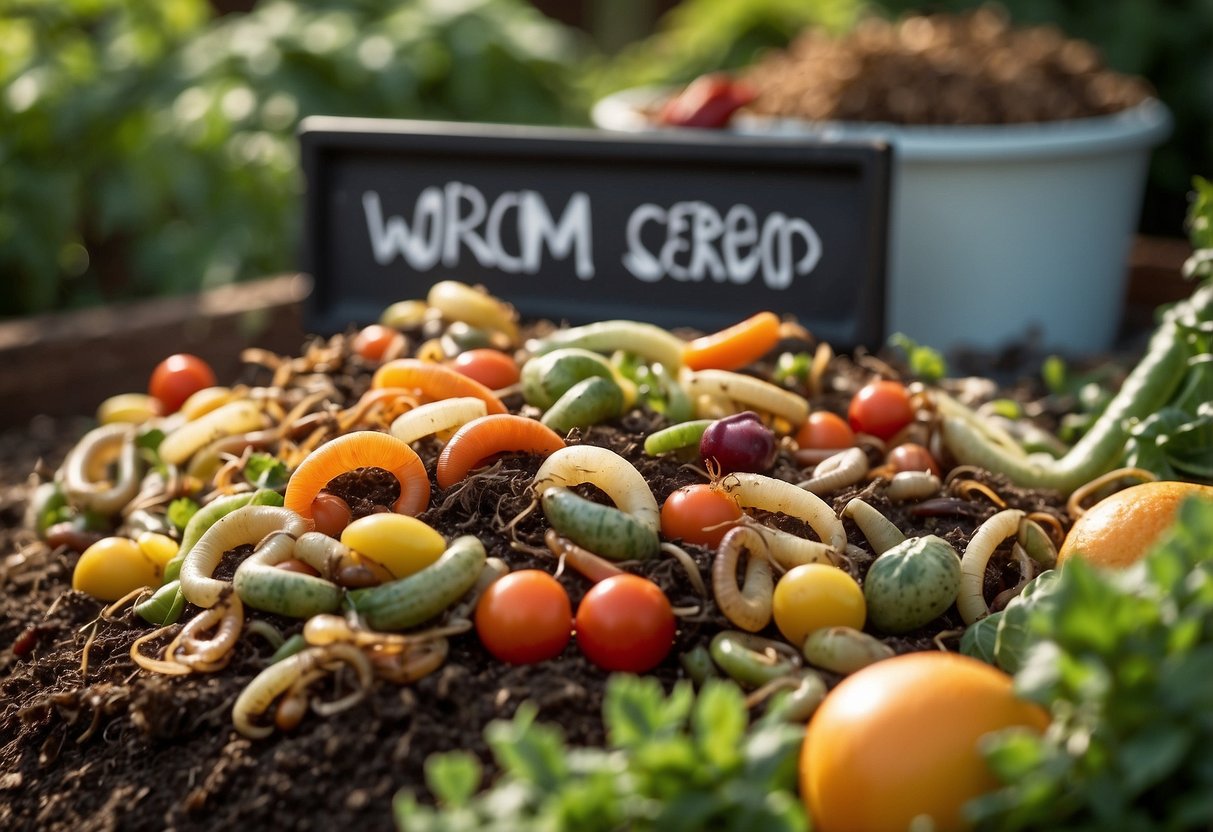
{"points": [[373, 341], [331, 514], [492, 368], [524, 617], [178, 377], [880, 408], [625, 623], [824, 430], [699, 514], [911, 456]]}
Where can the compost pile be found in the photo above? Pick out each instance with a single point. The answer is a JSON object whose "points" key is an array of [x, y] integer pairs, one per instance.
{"points": [[88, 740], [974, 68]]}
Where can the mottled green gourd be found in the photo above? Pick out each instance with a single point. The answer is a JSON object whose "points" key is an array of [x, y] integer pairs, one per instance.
{"points": [[912, 584]]}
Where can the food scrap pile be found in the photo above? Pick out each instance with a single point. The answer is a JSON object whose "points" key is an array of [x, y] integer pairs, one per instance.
{"points": [[406, 531], [974, 68]]}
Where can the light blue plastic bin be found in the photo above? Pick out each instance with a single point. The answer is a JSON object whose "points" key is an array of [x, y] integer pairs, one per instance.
{"points": [[995, 232]]}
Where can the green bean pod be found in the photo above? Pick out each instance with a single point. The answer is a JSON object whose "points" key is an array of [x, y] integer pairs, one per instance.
{"points": [[800, 703], [210, 514], [547, 377], [697, 662], [421, 596], [588, 402], [646, 340], [844, 649], [165, 605], [603, 530], [1147, 388], [288, 648], [676, 437], [752, 661]]}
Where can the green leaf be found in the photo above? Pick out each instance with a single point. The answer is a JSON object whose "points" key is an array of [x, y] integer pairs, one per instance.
{"points": [[265, 471], [180, 511], [719, 722], [453, 777], [635, 709], [925, 363], [149, 439], [980, 638], [1012, 634], [532, 753], [1152, 755], [770, 751]]}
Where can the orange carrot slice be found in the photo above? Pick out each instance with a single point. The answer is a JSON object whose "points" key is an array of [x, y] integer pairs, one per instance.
{"points": [[735, 346], [360, 449], [435, 381], [493, 434]]}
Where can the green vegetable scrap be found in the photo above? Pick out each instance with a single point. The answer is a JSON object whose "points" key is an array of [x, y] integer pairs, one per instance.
{"points": [[673, 762], [1171, 374], [1124, 661]]}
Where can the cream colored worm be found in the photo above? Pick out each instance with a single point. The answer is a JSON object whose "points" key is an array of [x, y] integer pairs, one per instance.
{"points": [[747, 391], [607, 470], [971, 604]]}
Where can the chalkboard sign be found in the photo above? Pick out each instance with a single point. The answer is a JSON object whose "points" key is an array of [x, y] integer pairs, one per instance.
{"points": [[691, 228]]}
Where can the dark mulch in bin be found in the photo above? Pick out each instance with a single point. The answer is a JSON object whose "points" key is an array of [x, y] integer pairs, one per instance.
{"points": [[119, 748]]}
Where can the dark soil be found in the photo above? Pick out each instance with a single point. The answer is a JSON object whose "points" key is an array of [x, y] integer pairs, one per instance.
{"points": [[88, 741]]}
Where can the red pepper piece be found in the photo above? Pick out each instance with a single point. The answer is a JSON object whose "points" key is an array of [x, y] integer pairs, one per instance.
{"points": [[709, 101]]}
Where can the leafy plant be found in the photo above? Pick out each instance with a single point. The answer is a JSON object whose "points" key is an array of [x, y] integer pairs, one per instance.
{"points": [[699, 36], [1123, 661], [1200, 231], [676, 762], [148, 149]]}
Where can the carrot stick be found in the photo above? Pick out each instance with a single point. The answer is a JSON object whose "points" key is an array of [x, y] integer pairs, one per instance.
{"points": [[735, 346], [435, 381], [360, 449], [489, 435]]}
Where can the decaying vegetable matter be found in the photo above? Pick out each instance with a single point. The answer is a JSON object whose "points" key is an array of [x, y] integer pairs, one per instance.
{"points": [[817, 521]]}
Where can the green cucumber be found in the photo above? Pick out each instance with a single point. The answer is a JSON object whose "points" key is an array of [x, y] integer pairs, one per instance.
{"points": [[421, 596]]}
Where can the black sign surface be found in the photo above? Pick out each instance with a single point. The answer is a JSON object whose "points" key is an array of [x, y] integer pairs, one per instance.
{"points": [[683, 229]]}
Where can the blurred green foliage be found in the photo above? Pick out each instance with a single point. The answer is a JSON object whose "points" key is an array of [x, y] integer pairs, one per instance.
{"points": [[149, 148], [699, 36]]}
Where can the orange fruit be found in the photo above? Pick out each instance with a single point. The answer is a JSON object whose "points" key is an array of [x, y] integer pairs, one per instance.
{"points": [[1121, 528], [899, 739]]}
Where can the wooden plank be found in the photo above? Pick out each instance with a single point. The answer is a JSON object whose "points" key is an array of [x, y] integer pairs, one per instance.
{"points": [[67, 363]]}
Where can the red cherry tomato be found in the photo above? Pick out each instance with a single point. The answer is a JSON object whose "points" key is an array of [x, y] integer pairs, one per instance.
{"points": [[331, 514], [825, 431], [698, 514], [880, 408], [524, 617], [492, 368], [911, 456], [373, 342], [178, 377], [625, 623]]}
